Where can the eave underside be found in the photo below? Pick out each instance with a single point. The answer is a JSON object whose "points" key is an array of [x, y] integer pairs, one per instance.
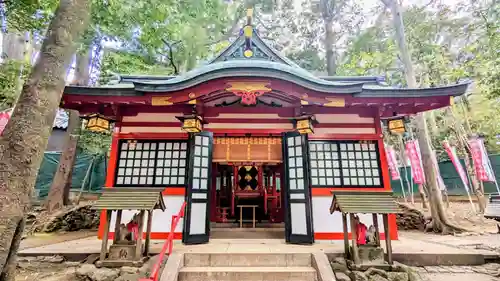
{"points": [[272, 93]]}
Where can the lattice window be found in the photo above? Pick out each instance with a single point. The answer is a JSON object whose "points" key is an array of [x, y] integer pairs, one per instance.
{"points": [[201, 162], [171, 163], [345, 163], [295, 162], [152, 163]]}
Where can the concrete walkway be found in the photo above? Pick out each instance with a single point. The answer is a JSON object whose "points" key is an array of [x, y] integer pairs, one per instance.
{"points": [[407, 244]]}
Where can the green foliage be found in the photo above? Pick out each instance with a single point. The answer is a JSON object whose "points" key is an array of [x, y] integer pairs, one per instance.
{"points": [[94, 143], [29, 15], [119, 62], [12, 75]]}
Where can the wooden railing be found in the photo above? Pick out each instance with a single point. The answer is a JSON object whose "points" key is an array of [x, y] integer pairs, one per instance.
{"points": [[167, 246]]}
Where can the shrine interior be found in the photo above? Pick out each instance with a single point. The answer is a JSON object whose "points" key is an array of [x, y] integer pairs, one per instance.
{"points": [[253, 184]]}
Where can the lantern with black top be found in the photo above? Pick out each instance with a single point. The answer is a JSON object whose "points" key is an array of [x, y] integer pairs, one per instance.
{"points": [[397, 125], [191, 123], [304, 124], [98, 123]]}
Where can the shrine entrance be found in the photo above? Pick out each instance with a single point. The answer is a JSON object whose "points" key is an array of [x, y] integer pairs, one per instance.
{"points": [[247, 187]]}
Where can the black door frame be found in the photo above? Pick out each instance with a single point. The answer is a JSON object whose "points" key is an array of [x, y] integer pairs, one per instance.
{"points": [[198, 238], [306, 199]]}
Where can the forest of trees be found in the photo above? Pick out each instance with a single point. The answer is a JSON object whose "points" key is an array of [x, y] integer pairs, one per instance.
{"points": [[411, 45]]}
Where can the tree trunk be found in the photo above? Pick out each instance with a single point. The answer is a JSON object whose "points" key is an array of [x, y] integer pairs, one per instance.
{"points": [[423, 197], [439, 221], [331, 66], [13, 45], [327, 15], [25, 136], [61, 184]]}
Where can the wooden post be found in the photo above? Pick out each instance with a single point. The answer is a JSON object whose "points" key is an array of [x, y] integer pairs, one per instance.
{"points": [[138, 245], [117, 225], [148, 233], [253, 217], [387, 238], [355, 253], [241, 216], [377, 232], [346, 235], [104, 246]]}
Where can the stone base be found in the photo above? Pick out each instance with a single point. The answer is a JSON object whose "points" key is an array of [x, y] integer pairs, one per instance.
{"points": [[119, 263], [371, 254], [121, 252]]}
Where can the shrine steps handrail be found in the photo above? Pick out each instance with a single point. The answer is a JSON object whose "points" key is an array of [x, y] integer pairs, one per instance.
{"points": [[168, 245]]}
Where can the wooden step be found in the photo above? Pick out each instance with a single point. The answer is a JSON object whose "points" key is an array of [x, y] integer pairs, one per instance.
{"points": [[305, 273], [247, 259]]}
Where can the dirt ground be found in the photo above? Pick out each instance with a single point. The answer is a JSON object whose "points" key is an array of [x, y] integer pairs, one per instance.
{"points": [[462, 214], [42, 239]]}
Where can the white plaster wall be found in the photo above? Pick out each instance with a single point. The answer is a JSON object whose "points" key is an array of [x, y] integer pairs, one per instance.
{"points": [[161, 220], [324, 222]]}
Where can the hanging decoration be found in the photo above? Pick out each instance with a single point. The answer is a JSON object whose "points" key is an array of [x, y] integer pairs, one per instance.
{"points": [[481, 161], [191, 123], [304, 124], [452, 153], [393, 163], [98, 123], [397, 125], [413, 152], [60, 121]]}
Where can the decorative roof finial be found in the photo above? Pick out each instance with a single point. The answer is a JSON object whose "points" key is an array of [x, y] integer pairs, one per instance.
{"points": [[248, 32]]}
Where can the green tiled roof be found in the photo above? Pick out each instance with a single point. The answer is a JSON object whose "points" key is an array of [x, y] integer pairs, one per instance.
{"points": [[137, 198], [366, 202]]}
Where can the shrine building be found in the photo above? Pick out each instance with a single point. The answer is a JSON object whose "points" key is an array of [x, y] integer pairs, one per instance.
{"points": [[250, 128]]}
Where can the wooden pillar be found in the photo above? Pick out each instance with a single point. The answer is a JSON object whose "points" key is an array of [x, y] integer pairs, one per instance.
{"points": [[138, 245], [346, 235], [148, 233], [387, 238], [104, 246], [355, 253], [377, 231], [117, 225]]}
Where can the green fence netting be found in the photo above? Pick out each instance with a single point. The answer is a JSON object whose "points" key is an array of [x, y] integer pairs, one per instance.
{"points": [[97, 175], [451, 179], [95, 179]]}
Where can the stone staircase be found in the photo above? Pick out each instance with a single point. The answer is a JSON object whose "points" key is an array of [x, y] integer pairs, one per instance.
{"points": [[247, 267]]}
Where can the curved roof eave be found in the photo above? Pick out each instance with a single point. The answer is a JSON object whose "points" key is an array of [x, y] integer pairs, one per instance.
{"points": [[245, 68], [383, 92]]}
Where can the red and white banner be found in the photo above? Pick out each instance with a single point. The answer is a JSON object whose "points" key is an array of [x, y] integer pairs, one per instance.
{"points": [[4, 119], [452, 153], [481, 161], [392, 162], [60, 122], [413, 152]]}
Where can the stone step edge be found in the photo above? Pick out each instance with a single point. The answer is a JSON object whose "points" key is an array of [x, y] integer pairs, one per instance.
{"points": [[247, 253], [248, 269]]}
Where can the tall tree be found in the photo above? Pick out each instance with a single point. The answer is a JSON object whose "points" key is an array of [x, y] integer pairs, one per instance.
{"points": [[61, 184], [440, 221], [26, 135]]}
